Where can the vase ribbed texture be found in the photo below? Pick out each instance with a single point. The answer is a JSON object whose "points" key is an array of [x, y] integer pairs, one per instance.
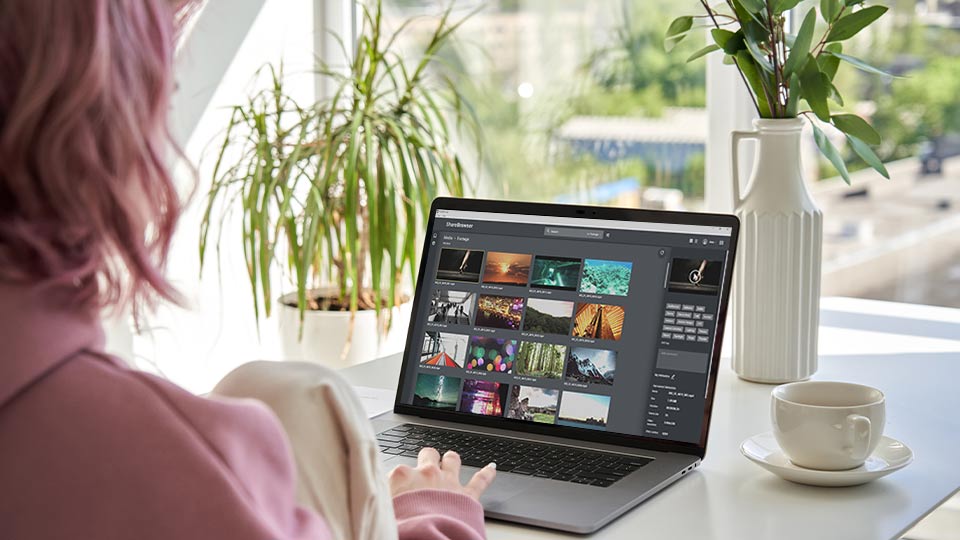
{"points": [[776, 292]]}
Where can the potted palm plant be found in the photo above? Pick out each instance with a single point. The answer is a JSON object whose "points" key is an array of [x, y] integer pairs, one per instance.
{"points": [[790, 77], [332, 194]]}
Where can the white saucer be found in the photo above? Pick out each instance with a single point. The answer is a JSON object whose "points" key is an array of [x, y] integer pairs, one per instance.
{"points": [[891, 455]]}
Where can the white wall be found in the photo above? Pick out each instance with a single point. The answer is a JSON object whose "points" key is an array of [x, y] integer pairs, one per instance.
{"points": [[195, 347]]}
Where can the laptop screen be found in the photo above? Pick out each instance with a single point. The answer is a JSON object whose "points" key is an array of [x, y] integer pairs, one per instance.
{"points": [[576, 322]]}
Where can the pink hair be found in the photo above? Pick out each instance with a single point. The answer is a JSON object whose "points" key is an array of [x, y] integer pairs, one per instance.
{"points": [[87, 203]]}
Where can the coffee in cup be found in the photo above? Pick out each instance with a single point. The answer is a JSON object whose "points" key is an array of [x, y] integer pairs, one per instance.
{"points": [[827, 425]]}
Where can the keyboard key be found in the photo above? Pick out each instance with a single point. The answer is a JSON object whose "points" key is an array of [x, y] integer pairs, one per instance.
{"points": [[526, 458]]}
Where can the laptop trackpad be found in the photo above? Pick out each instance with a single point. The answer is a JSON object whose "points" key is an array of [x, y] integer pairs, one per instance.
{"points": [[504, 486]]}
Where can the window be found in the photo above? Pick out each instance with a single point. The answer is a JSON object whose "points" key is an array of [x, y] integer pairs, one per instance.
{"points": [[897, 239], [578, 99], [580, 103]]}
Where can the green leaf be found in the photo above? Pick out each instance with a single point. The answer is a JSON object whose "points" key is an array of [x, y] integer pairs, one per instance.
{"points": [[861, 65], [784, 5], [730, 42], [758, 56], [851, 3], [704, 51], [793, 99], [849, 25], [750, 72], [801, 46], [830, 152], [829, 63], [815, 87], [755, 31], [677, 31], [852, 124], [868, 155], [829, 9], [755, 6], [835, 95], [729, 60], [748, 16]]}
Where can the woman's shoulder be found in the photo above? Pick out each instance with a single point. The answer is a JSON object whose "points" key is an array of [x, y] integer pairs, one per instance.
{"points": [[104, 434]]}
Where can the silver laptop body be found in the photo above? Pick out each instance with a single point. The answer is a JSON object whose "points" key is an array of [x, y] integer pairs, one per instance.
{"points": [[564, 330]]}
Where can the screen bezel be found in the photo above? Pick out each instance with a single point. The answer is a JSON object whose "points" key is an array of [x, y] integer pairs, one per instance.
{"points": [[590, 212]]}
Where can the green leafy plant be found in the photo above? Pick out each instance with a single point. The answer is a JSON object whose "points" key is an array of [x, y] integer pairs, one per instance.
{"points": [[335, 191], [790, 75]]}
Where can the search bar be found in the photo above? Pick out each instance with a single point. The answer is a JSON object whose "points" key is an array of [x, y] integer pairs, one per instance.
{"points": [[565, 232]]}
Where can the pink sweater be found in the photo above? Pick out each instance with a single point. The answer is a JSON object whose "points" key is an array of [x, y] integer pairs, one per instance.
{"points": [[92, 449]]}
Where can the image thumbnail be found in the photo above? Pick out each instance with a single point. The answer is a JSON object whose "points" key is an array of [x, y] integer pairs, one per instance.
{"points": [[507, 268], [555, 273], [483, 397], [606, 277], [532, 404], [548, 316], [695, 276], [540, 359], [583, 410], [594, 366], [452, 307], [598, 321], [492, 354], [443, 349], [459, 265], [436, 391], [499, 312]]}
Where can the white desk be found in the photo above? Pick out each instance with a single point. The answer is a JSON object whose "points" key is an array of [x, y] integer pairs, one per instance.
{"points": [[910, 352]]}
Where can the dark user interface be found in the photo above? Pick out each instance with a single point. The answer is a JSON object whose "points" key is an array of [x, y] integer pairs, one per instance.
{"points": [[568, 323]]}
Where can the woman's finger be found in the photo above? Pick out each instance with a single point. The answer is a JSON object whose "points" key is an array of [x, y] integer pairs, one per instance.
{"points": [[451, 464], [428, 456], [481, 480]]}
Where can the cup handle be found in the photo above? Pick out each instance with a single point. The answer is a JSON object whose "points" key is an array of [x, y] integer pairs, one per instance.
{"points": [[858, 436]]}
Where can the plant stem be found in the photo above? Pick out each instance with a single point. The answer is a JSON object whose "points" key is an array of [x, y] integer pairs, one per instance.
{"points": [[775, 58], [743, 77], [823, 40]]}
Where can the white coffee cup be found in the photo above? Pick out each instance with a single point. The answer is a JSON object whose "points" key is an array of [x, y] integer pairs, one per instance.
{"points": [[827, 425]]}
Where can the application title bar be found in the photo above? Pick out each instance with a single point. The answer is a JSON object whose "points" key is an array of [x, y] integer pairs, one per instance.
{"points": [[581, 222]]}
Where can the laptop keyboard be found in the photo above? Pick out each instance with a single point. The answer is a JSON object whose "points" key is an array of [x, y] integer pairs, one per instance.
{"points": [[515, 456]]}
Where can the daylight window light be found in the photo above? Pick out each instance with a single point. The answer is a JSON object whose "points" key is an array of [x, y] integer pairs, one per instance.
{"points": [[525, 90]]}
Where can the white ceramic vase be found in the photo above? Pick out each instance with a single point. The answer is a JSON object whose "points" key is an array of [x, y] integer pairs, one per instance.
{"points": [[325, 333], [776, 291]]}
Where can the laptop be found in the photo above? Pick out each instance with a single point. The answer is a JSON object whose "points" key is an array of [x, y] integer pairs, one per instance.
{"points": [[575, 346]]}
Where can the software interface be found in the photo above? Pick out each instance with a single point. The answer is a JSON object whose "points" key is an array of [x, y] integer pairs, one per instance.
{"points": [[592, 324]]}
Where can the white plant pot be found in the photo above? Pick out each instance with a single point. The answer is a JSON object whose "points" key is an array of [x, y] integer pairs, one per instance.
{"points": [[324, 339], [776, 291]]}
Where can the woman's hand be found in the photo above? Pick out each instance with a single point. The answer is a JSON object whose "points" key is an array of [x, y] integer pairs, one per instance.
{"points": [[435, 473]]}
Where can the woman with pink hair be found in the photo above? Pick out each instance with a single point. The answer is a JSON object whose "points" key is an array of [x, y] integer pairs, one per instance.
{"points": [[90, 448]]}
